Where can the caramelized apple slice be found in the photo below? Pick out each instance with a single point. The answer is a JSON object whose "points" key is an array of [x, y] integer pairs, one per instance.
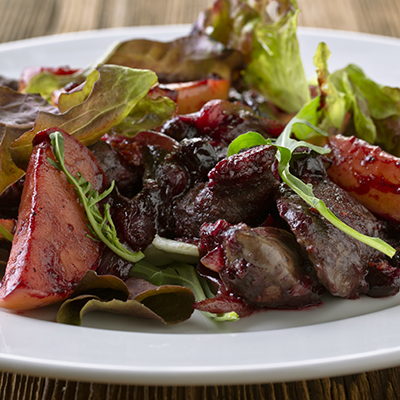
{"points": [[191, 96], [368, 173], [51, 250]]}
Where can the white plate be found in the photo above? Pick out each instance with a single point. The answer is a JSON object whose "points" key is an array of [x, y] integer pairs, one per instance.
{"points": [[337, 338]]}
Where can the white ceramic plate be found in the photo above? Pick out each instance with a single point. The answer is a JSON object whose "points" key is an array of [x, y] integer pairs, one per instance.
{"points": [[337, 338]]}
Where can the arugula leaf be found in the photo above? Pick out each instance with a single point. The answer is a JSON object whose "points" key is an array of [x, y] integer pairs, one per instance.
{"points": [[286, 146], [102, 226], [184, 275]]}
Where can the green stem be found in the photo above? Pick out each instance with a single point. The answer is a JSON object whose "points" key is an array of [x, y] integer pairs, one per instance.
{"points": [[103, 228]]}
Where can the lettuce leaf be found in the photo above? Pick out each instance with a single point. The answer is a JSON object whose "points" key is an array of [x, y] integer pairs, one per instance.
{"points": [[229, 22], [329, 109], [182, 60], [182, 274], [169, 304], [276, 69], [351, 103], [47, 81], [148, 114], [163, 251], [266, 35], [108, 96], [371, 105]]}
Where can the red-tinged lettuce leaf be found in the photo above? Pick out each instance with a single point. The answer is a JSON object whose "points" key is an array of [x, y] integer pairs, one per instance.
{"points": [[136, 297], [178, 273], [229, 22], [173, 303], [265, 32], [182, 60], [10, 83], [109, 95], [18, 113], [147, 115]]}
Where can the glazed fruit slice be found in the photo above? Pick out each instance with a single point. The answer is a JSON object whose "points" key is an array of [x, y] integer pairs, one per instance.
{"points": [[51, 250], [368, 173], [190, 97]]}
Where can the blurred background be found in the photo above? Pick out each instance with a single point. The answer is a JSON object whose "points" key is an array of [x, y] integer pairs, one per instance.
{"points": [[20, 19]]}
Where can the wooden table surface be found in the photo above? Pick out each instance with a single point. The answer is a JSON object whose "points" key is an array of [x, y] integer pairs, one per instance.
{"points": [[20, 19]]}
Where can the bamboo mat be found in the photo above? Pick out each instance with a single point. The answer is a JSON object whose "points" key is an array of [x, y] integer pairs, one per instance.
{"points": [[20, 19]]}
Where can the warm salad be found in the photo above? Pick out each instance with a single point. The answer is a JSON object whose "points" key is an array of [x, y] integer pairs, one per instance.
{"points": [[204, 173]]}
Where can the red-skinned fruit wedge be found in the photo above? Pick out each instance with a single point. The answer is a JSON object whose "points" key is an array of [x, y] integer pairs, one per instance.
{"points": [[191, 96], [371, 175], [51, 250]]}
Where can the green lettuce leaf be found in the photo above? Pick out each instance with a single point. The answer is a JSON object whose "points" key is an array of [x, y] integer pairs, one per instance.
{"points": [[148, 114], [357, 105], [229, 22], [46, 82], [276, 69], [266, 34], [371, 106], [333, 107], [351, 103], [108, 96]]}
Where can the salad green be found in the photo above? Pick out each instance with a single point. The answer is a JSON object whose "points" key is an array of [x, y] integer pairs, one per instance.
{"points": [[349, 102], [184, 275], [266, 34], [88, 114]]}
